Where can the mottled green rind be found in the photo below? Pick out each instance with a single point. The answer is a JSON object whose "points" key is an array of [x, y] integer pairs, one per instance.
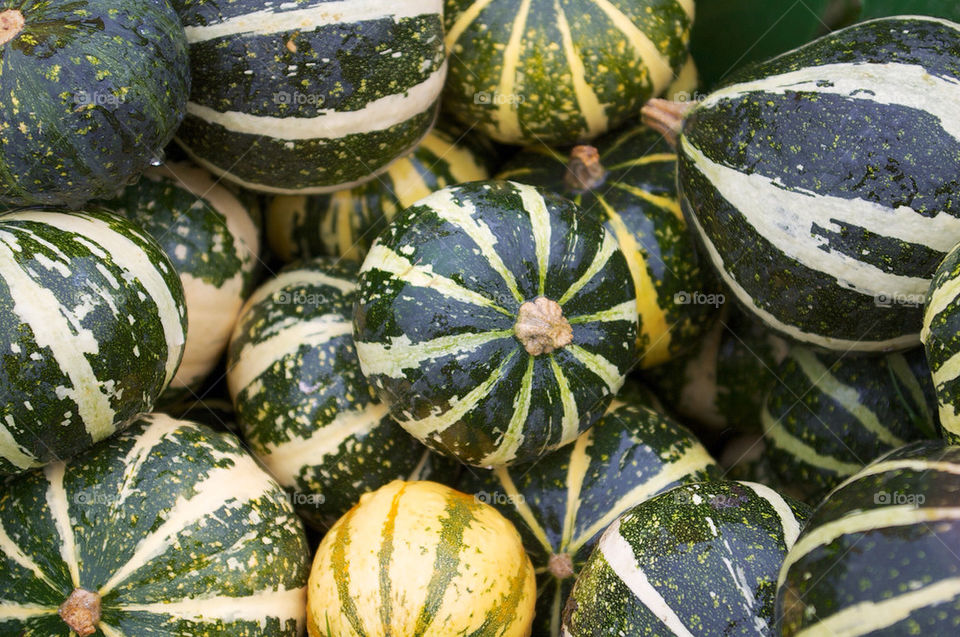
{"points": [[235, 549], [90, 93], [125, 324], [629, 447], [893, 390], [301, 394], [666, 248], [941, 340], [544, 95], [389, 307], [687, 564], [884, 562]]}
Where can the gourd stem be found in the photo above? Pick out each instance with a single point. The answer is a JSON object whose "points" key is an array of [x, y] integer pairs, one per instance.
{"points": [[584, 170], [560, 565], [11, 24], [541, 326], [666, 117], [81, 612]]}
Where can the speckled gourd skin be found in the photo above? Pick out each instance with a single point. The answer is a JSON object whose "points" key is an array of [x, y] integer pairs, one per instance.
{"points": [[94, 88]]}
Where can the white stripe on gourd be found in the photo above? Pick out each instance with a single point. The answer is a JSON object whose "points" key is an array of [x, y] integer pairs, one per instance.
{"points": [[661, 72], [22, 612], [900, 465], [12, 552], [577, 467], [788, 521], [513, 437], [890, 84], [276, 20], [900, 342], [626, 311], [536, 207], [607, 249], [776, 434], [508, 118], [262, 606], [59, 505], [588, 104], [286, 459], [619, 556], [398, 354], [376, 115], [10, 449], [570, 424]]}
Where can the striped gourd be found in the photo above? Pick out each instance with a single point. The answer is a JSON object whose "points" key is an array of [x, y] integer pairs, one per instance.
{"points": [[211, 239], [627, 182], [495, 321], [92, 328], [829, 415], [722, 383], [303, 406], [309, 96], [879, 555], [558, 73], [941, 338], [701, 559], [418, 558], [91, 94], [167, 529], [823, 183], [563, 503], [345, 223]]}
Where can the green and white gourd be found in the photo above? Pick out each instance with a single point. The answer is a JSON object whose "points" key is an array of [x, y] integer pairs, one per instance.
{"points": [[722, 383], [941, 339], [700, 559], [166, 529], [823, 184], [311, 96], [563, 503], [303, 406], [213, 242], [627, 181], [495, 321], [92, 91], [558, 73], [92, 328], [345, 223], [879, 555], [830, 415]]}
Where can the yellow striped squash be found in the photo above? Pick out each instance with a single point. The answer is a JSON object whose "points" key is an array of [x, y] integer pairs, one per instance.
{"points": [[419, 558]]}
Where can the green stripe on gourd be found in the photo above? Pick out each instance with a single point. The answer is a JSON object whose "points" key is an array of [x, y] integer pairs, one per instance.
{"points": [[92, 322], [700, 559], [495, 321], [313, 96], [558, 73], [724, 380], [91, 94], [941, 339], [301, 401], [879, 556], [823, 184], [345, 223], [166, 529], [830, 415], [563, 503], [627, 182], [212, 241]]}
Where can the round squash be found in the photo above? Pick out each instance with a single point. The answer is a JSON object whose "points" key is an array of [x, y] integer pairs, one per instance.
{"points": [[309, 97], [559, 73], [345, 223], [496, 322], [823, 184], [166, 529], [829, 415], [304, 408], [91, 93], [700, 559], [626, 181], [563, 503], [211, 239], [92, 328], [418, 558], [879, 555], [941, 339]]}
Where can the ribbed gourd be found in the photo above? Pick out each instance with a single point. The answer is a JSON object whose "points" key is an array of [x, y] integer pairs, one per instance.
{"points": [[941, 327], [495, 321]]}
